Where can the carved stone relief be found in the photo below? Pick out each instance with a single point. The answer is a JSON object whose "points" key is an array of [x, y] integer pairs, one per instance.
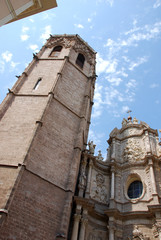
{"points": [[153, 144], [99, 190], [133, 151], [79, 47], [149, 180], [156, 229], [66, 42], [138, 235]]}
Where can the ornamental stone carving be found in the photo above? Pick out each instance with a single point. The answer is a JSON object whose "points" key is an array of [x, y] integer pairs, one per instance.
{"points": [[133, 151], [99, 191], [138, 235], [156, 229], [79, 47], [65, 42]]}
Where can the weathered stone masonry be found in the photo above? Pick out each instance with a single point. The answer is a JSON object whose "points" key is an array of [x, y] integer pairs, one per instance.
{"points": [[43, 129]]}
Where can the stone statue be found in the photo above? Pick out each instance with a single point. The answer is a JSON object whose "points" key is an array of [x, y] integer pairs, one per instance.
{"points": [[124, 122], [91, 147]]}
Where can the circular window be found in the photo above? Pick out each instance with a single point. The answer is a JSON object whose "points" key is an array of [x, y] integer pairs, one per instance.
{"points": [[135, 189]]}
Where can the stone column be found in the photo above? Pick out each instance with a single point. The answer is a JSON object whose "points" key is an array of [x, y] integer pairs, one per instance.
{"points": [[113, 149], [150, 163], [77, 218], [148, 148], [111, 234], [84, 222], [111, 229], [113, 182], [154, 189], [89, 178]]}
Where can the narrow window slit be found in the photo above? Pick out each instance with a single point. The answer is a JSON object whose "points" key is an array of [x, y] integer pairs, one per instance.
{"points": [[37, 84]]}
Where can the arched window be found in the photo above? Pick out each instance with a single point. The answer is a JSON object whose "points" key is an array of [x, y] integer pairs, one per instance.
{"points": [[80, 60], [56, 51]]}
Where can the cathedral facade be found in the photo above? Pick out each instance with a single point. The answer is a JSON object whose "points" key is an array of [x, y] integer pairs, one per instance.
{"points": [[52, 186], [119, 198]]}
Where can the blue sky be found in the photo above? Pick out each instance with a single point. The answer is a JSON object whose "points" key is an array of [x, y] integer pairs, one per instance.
{"points": [[127, 38]]}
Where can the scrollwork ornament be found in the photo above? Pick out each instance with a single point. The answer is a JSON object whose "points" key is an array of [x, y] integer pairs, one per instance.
{"points": [[65, 42]]}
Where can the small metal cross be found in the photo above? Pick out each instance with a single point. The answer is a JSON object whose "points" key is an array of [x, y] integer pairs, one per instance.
{"points": [[129, 111]]}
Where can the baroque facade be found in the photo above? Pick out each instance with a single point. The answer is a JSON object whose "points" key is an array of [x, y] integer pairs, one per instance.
{"points": [[119, 198], [52, 186]]}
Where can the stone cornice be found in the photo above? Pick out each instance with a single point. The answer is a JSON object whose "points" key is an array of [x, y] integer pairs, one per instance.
{"points": [[128, 215]]}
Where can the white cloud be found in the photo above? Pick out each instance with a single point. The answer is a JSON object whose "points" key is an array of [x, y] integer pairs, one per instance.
{"points": [[112, 66], [79, 25], [131, 84], [105, 65], [132, 37], [14, 64], [25, 29], [139, 61], [31, 20], [48, 16], [125, 109], [46, 34], [95, 137], [2, 66], [89, 19], [7, 56], [110, 2], [101, 64], [24, 37], [97, 109], [34, 47], [154, 85], [114, 81], [157, 4]]}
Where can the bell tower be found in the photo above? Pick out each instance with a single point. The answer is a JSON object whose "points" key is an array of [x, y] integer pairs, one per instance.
{"points": [[44, 122]]}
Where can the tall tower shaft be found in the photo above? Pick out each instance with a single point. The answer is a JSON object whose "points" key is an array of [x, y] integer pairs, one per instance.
{"points": [[43, 129]]}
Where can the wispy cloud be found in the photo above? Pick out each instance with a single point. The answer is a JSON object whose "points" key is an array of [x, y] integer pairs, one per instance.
{"points": [[14, 64], [154, 85], [97, 109], [157, 4], [110, 2], [114, 81], [45, 35], [2, 66], [132, 37], [48, 16], [124, 109], [138, 62], [108, 66], [79, 25], [25, 29], [31, 20], [7, 56], [34, 47], [24, 37]]}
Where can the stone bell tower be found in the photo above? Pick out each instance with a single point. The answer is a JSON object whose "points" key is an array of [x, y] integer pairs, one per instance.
{"points": [[44, 122], [120, 198]]}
